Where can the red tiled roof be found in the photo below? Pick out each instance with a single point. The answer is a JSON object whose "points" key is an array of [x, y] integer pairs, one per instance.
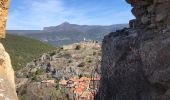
{"points": [[72, 90], [84, 79], [86, 94], [78, 90], [74, 79], [95, 79], [84, 84], [48, 81], [63, 82]]}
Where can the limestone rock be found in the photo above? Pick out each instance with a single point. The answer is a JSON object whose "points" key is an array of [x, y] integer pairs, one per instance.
{"points": [[7, 84], [3, 16]]}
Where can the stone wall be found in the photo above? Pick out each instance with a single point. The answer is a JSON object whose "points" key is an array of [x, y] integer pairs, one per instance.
{"points": [[83, 45]]}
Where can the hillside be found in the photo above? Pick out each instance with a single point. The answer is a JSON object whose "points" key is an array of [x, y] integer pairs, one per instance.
{"points": [[67, 33], [23, 50], [44, 74]]}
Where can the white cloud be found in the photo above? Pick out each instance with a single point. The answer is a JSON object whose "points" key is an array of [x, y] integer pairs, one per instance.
{"points": [[35, 14]]}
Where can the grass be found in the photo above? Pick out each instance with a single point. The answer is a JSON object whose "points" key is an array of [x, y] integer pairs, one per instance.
{"points": [[23, 50]]}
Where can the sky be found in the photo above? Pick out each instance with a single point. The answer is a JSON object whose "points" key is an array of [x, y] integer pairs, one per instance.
{"points": [[36, 14]]}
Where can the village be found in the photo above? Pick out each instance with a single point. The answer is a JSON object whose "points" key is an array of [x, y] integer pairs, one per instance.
{"points": [[80, 88]]}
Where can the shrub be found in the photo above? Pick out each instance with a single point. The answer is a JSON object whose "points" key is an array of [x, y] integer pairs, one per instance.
{"points": [[81, 64], [39, 71], [23, 97], [78, 47]]}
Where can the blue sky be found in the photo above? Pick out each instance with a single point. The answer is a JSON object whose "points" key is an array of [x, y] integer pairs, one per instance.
{"points": [[36, 14]]}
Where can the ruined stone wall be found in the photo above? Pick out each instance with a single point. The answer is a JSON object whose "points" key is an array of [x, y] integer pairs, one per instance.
{"points": [[136, 61], [150, 13]]}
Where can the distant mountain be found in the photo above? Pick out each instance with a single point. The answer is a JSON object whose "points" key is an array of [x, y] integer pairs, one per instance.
{"points": [[83, 28], [67, 33]]}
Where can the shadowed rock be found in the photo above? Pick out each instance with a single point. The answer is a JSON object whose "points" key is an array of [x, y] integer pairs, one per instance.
{"points": [[136, 61]]}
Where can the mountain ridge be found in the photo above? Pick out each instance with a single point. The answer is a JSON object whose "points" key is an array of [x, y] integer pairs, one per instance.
{"points": [[67, 33], [65, 25]]}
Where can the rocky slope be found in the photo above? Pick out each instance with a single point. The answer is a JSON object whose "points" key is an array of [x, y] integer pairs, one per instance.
{"points": [[75, 60], [136, 61]]}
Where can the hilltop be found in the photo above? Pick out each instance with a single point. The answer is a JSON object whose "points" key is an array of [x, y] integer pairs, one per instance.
{"points": [[23, 50]]}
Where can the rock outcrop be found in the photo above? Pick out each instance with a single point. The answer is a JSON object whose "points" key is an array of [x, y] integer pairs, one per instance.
{"points": [[7, 84], [3, 16], [150, 13], [136, 61]]}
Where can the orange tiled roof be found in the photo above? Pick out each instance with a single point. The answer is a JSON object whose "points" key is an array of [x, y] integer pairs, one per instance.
{"points": [[84, 84], [63, 82], [74, 79], [95, 79], [78, 90], [48, 81], [72, 90], [84, 79], [86, 94]]}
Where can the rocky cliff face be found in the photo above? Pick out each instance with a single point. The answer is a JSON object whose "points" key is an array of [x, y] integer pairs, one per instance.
{"points": [[7, 84], [136, 61]]}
